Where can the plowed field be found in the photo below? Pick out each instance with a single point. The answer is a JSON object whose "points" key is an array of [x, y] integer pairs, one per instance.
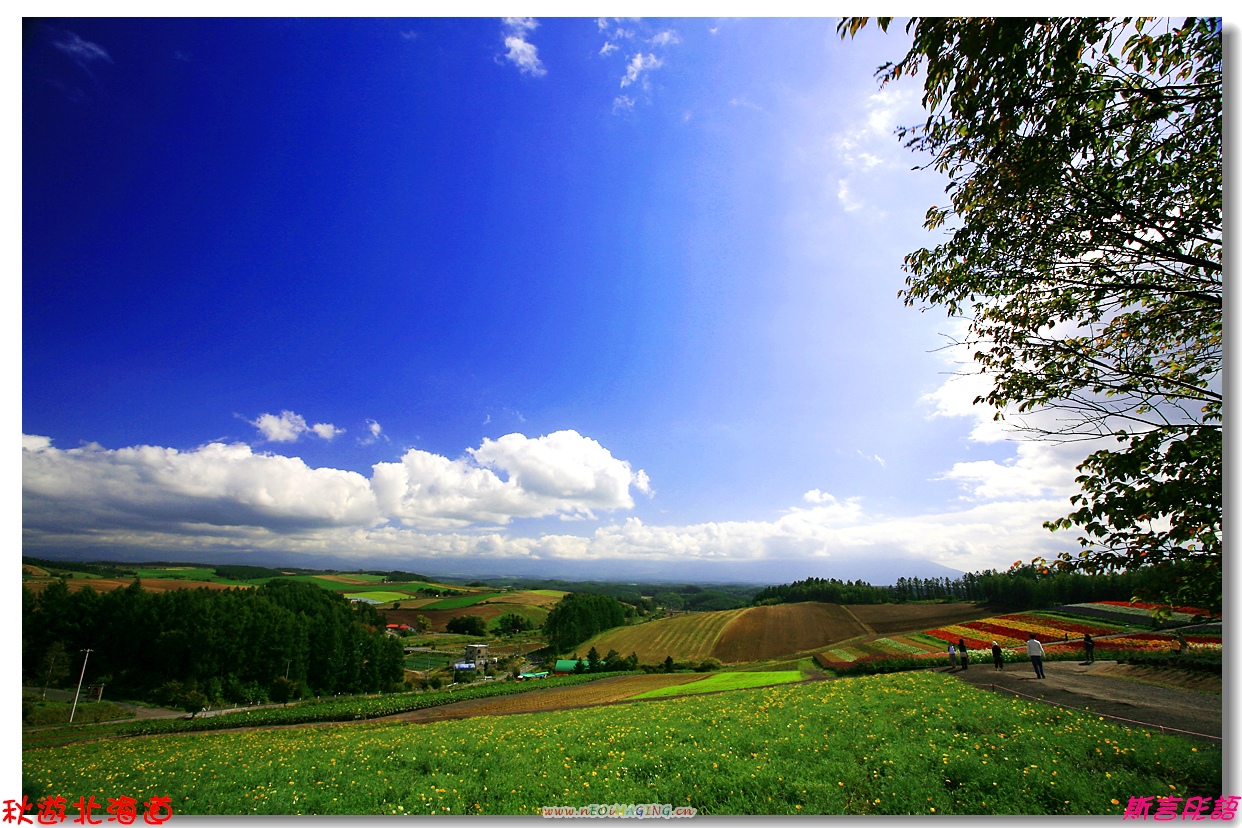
{"points": [[761, 633], [596, 692], [439, 618], [529, 597], [688, 637]]}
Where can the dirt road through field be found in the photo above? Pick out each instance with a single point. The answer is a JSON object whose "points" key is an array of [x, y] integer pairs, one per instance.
{"points": [[1091, 687]]}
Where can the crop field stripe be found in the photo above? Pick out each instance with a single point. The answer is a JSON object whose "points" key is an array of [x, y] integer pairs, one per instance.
{"points": [[684, 637]]}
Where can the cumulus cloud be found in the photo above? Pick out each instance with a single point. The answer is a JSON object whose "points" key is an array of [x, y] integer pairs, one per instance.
{"points": [[217, 484], [287, 427], [229, 485], [514, 476], [222, 497], [668, 37], [521, 52], [326, 430]]}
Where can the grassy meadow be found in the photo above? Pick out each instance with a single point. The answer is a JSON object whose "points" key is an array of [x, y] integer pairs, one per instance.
{"points": [[918, 743]]}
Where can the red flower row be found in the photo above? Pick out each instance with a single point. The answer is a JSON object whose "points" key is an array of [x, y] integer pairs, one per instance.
{"points": [[1147, 606]]}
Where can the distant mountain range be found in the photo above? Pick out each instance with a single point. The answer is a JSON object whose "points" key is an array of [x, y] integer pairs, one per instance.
{"points": [[878, 571]]}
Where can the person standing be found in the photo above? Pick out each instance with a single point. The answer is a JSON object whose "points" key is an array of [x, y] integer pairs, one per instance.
{"points": [[998, 658], [963, 652], [952, 657], [1036, 651], [1088, 644]]}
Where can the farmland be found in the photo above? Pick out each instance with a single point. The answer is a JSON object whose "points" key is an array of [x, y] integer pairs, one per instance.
{"points": [[606, 691], [769, 632], [684, 637], [907, 744]]}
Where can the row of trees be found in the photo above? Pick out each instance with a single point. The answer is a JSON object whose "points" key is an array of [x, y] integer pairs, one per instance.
{"points": [[1024, 586], [828, 590], [230, 645]]}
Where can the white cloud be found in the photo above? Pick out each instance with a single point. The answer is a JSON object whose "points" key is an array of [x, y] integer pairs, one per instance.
{"points": [[608, 48], [230, 485], [622, 103], [522, 53], [287, 427], [844, 195], [91, 488], [561, 473], [638, 68], [668, 37], [326, 430], [81, 52], [284, 428], [225, 497]]}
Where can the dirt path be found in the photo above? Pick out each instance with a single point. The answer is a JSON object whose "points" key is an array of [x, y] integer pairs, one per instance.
{"points": [[1099, 688]]}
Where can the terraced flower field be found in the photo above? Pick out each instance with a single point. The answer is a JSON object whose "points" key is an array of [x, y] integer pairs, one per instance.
{"points": [[1061, 631]]}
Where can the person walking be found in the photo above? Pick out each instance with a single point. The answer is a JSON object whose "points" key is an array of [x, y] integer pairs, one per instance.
{"points": [[1036, 651], [952, 657], [998, 658], [963, 652], [1088, 644]]}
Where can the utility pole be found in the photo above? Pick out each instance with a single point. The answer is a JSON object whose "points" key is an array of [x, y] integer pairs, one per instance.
{"points": [[74, 709]]}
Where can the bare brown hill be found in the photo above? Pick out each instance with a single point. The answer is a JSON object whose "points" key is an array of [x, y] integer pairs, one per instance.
{"points": [[773, 631]]}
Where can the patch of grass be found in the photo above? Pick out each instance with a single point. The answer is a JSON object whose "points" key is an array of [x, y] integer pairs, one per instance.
{"points": [[725, 681], [908, 744], [378, 595], [37, 712], [460, 601]]}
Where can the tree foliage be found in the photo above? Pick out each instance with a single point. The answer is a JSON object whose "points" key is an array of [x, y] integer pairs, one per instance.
{"points": [[225, 643], [511, 623], [579, 616], [1084, 247], [467, 625]]}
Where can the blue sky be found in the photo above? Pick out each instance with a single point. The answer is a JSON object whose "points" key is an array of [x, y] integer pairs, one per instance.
{"points": [[568, 296]]}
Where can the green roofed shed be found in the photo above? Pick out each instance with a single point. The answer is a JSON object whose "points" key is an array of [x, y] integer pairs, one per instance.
{"points": [[566, 665]]}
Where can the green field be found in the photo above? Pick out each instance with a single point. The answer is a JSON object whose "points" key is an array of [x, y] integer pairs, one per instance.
{"points": [[900, 744], [178, 573], [379, 595], [460, 601], [725, 681]]}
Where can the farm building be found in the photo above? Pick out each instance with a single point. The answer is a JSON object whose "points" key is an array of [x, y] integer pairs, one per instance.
{"points": [[565, 666], [478, 653]]}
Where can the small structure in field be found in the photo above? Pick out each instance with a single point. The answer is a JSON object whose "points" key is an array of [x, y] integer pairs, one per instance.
{"points": [[478, 653]]}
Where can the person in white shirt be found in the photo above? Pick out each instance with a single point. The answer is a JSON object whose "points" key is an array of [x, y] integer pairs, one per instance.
{"points": [[1036, 651]]}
